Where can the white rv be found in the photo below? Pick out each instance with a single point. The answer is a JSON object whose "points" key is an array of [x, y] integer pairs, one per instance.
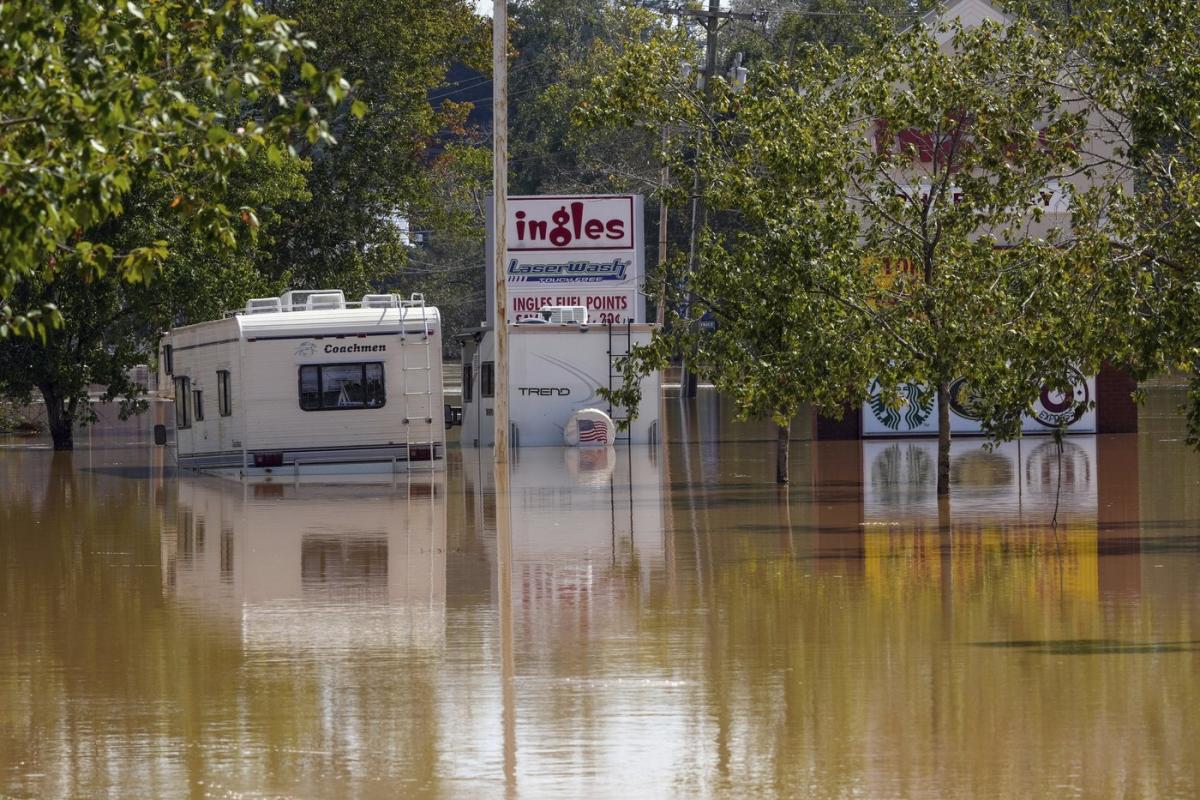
{"points": [[308, 383], [555, 369]]}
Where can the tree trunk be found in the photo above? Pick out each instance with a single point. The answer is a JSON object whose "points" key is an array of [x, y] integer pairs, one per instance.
{"points": [[781, 452], [60, 419], [943, 462]]}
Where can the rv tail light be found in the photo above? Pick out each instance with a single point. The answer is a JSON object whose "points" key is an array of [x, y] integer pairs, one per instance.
{"points": [[268, 459], [418, 454]]}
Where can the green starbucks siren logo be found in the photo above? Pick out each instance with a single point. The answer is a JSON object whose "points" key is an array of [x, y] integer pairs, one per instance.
{"points": [[916, 407]]}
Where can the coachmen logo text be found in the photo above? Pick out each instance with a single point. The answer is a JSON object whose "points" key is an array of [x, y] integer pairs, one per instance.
{"points": [[566, 225], [355, 348], [309, 348], [568, 271]]}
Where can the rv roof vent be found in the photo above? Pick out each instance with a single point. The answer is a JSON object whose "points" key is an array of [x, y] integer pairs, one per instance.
{"points": [[263, 305], [379, 301], [324, 300], [297, 299]]}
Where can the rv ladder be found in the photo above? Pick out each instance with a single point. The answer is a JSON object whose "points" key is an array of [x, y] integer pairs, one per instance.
{"points": [[620, 340], [421, 360]]}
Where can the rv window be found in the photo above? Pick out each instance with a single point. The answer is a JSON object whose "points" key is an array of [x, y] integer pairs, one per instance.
{"points": [[224, 400], [468, 382], [168, 355], [486, 385], [326, 387], [198, 394], [183, 394]]}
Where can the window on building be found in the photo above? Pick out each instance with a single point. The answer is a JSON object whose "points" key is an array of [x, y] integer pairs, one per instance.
{"points": [[487, 387], [328, 387], [224, 399], [168, 357], [183, 398], [198, 404], [468, 383]]}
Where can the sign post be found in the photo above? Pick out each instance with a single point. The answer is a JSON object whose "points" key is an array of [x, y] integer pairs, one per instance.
{"points": [[499, 211]]}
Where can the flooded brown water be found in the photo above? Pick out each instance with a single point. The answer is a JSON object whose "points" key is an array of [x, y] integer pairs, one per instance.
{"points": [[658, 623]]}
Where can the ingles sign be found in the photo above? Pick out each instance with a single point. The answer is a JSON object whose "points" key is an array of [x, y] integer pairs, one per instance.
{"points": [[603, 222], [581, 250]]}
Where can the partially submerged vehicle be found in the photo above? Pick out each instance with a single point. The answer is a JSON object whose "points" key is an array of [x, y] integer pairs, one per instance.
{"points": [[557, 365], [307, 382]]}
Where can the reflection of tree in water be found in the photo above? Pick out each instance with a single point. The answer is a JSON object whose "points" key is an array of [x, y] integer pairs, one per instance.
{"points": [[902, 474], [981, 469]]}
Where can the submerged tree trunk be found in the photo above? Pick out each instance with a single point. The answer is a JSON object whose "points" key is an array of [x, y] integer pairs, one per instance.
{"points": [[60, 419], [781, 452], [943, 461]]}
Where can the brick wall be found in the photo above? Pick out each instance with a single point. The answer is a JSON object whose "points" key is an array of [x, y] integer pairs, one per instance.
{"points": [[848, 427], [1115, 409]]}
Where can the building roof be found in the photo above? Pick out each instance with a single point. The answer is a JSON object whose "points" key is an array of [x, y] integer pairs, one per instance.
{"points": [[969, 13]]}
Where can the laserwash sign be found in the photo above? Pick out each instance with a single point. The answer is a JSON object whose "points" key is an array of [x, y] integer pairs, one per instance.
{"points": [[573, 250]]}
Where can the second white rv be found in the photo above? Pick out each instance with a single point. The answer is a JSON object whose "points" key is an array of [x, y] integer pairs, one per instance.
{"points": [[555, 370]]}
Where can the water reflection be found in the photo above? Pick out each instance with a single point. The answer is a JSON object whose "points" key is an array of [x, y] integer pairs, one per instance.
{"points": [[640, 622], [338, 568]]}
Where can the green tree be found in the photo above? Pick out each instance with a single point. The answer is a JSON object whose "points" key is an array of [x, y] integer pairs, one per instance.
{"points": [[381, 178], [940, 145], [1138, 70], [112, 324], [969, 134], [99, 95], [779, 264]]}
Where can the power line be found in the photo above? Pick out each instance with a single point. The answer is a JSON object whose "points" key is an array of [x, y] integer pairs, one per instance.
{"points": [[480, 80]]}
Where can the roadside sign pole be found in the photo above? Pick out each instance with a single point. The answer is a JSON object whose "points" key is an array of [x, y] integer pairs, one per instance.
{"points": [[500, 220]]}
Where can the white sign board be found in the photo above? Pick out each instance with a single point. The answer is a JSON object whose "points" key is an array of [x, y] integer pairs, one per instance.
{"points": [[572, 250], [918, 414]]}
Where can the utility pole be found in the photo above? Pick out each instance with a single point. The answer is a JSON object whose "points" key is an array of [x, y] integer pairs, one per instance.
{"points": [[664, 178], [712, 21], [500, 222]]}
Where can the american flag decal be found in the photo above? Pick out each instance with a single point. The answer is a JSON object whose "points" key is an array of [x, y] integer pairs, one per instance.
{"points": [[593, 431]]}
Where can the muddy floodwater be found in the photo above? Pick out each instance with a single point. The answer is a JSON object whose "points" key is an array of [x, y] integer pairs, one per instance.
{"points": [[654, 622]]}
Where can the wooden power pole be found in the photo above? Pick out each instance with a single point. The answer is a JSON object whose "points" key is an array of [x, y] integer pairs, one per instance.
{"points": [[712, 21], [500, 221]]}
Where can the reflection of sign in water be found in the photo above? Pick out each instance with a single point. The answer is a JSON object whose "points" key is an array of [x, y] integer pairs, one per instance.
{"points": [[1042, 465], [984, 558], [902, 474], [1014, 482], [915, 408]]}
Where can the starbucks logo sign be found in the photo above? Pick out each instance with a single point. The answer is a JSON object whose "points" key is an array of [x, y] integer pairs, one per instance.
{"points": [[916, 407], [964, 400]]}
